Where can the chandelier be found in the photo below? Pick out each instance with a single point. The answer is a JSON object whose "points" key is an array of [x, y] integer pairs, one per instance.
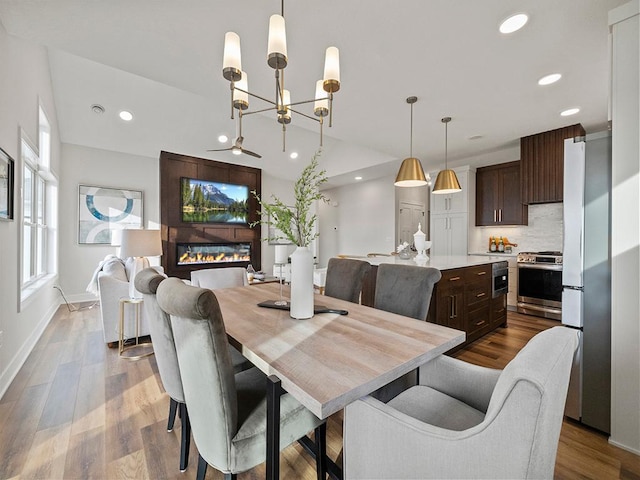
{"points": [[277, 59]]}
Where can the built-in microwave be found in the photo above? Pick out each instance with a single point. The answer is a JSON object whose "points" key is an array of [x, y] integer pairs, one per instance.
{"points": [[499, 279]]}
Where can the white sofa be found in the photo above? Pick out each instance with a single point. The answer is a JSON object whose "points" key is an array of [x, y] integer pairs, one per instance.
{"points": [[113, 284]]}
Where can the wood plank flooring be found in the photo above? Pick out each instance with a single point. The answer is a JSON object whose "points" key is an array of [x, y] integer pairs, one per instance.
{"points": [[78, 411]]}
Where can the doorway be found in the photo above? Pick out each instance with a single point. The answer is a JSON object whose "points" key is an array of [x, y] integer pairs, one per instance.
{"points": [[410, 214]]}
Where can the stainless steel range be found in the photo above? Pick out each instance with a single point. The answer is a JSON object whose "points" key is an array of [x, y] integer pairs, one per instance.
{"points": [[540, 284]]}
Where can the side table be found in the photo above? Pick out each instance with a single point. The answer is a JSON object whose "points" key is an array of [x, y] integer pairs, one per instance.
{"points": [[139, 349]]}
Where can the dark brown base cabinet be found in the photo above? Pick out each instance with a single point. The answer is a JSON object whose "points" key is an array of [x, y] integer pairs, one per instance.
{"points": [[498, 197], [460, 300]]}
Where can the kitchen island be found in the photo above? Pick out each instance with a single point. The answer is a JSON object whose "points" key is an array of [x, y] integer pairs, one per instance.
{"points": [[463, 298]]}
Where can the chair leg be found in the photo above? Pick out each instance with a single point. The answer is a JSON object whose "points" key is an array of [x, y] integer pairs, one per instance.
{"points": [[230, 476], [173, 405], [186, 437], [321, 451], [202, 468]]}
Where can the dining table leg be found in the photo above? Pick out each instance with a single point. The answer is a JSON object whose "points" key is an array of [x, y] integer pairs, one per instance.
{"points": [[274, 392]]}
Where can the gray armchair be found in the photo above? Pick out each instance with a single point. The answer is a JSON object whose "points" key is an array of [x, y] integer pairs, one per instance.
{"points": [[228, 412], [344, 278], [213, 278], [147, 282], [466, 421]]}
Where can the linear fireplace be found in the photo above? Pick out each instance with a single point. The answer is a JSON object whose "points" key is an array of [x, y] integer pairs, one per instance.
{"points": [[212, 253]]}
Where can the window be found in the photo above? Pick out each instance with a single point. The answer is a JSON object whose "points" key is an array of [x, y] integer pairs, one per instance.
{"points": [[39, 210]]}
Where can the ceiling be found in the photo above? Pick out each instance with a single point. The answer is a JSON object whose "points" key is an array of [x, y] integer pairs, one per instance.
{"points": [[162, 60]]}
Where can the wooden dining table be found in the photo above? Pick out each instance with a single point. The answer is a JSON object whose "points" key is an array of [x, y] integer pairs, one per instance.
{"points": [[327, 361]]}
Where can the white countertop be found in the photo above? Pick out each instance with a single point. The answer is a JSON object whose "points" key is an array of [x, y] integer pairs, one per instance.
{"points": [[496, 254], [441, 263]]}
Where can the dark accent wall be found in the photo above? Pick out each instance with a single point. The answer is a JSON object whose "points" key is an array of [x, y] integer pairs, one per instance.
{"points": [[173, 166]]}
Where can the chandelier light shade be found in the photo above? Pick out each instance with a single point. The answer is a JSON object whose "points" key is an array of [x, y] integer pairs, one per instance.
{"points": [[240, 95], [446, 181], [411, 173], [232, 64], [277, 50], [332, 70], [277, 59], [321, 104]]}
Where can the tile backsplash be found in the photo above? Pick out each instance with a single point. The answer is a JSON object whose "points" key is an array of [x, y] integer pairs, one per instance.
{"points": [[544, 231]]}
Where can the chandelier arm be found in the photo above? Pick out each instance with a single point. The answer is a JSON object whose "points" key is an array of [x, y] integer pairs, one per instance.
{"points": [[330, 109], [261, 110], [231, 89], [321, 123], [303, 114]]}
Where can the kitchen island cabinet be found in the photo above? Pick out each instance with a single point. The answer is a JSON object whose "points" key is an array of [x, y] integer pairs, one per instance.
{"points": [[462, 299]]}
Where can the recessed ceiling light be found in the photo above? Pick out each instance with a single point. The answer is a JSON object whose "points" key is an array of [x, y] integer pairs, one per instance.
{"points": [[570, 111], [293, 155], [223, 139], [514, 23], [475, 137], [549, 79], [358, 178], [126, 116]]}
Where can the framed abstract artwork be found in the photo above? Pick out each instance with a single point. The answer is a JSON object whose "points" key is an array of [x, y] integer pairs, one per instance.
{"points": [[101, 210], [6, 186]]}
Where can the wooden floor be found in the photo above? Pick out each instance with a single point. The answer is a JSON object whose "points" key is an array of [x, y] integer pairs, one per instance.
{"points": [[77, 411]]}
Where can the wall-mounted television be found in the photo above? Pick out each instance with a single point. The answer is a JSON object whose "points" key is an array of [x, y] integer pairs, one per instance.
{"points": [[204, 201]]}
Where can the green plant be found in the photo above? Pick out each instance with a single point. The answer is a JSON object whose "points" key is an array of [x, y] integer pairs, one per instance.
{"points": [[295, 223]]}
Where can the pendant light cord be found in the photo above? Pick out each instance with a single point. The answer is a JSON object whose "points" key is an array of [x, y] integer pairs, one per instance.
{"points": [[411, 134], [446, 136]]}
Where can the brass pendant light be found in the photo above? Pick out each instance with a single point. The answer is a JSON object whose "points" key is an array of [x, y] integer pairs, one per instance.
{"points": [[411, 173], [447, 181]]}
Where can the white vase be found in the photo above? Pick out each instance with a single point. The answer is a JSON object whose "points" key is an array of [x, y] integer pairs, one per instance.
{"points": [[301, 283]]}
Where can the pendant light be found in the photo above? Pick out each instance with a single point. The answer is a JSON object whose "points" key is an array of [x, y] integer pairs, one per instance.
{"points": [[411, 173], [447, 181]]}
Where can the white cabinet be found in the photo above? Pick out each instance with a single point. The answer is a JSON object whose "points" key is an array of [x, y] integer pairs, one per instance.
{"points": [[452, 202], [449, 234], [449, 227]]}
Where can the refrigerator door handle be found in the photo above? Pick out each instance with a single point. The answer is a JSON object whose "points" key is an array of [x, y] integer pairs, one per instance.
{"points": [[573, 287]]}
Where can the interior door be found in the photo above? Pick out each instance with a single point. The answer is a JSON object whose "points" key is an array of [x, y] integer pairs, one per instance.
{"points": [[410, 215]]}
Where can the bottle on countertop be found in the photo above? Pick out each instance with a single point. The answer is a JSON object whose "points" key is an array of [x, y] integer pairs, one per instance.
{"points": [[500, 245], [492, 244], [250, 273]]}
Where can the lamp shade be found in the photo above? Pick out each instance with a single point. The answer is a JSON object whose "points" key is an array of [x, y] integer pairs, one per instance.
{"points": [[321, 105], [446, 182], [241, 99], [141, 243], [331, 79], [116, 237], [231, 63], [277, 43], [411, 174]]}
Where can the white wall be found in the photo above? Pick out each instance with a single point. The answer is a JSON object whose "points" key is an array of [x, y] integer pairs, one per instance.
{"points": [[359, 219], [625, 228], [25, 80], [91, 166], [283, 189]]}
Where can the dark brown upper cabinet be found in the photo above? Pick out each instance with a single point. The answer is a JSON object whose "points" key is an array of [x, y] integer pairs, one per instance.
{"points": [[542, 164], [498, 196]]}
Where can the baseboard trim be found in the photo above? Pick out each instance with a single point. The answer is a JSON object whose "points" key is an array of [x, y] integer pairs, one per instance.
{"points": [[16, 363], [624, 447]]}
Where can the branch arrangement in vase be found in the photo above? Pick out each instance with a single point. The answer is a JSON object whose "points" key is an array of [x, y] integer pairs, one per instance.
{"points": [[295, 223]]}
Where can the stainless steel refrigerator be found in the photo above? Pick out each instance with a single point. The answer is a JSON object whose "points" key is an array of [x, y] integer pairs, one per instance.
{"points": [[586, 275]]}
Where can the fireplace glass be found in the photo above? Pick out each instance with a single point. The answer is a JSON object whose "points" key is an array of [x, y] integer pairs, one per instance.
{"points": [[212, 253]]}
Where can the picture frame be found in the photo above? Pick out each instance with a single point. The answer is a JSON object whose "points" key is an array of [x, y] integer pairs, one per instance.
{"points": [[101, 210], [7, 179]]}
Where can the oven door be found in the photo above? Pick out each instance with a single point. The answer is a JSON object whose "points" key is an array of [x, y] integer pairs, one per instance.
{"points": [[540, 284]]}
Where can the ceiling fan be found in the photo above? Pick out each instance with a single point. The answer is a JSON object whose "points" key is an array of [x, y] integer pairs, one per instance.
{"points": [[237, 147]]}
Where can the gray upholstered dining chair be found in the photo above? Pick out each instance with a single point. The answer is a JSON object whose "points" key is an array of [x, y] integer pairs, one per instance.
{"points": [[405, 290], [214, 278], [344, 278], [228, 412], [146, 282], [467, 421]]}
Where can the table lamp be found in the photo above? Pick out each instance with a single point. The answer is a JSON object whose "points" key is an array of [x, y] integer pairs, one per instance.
{"points": [[139, 244]]}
